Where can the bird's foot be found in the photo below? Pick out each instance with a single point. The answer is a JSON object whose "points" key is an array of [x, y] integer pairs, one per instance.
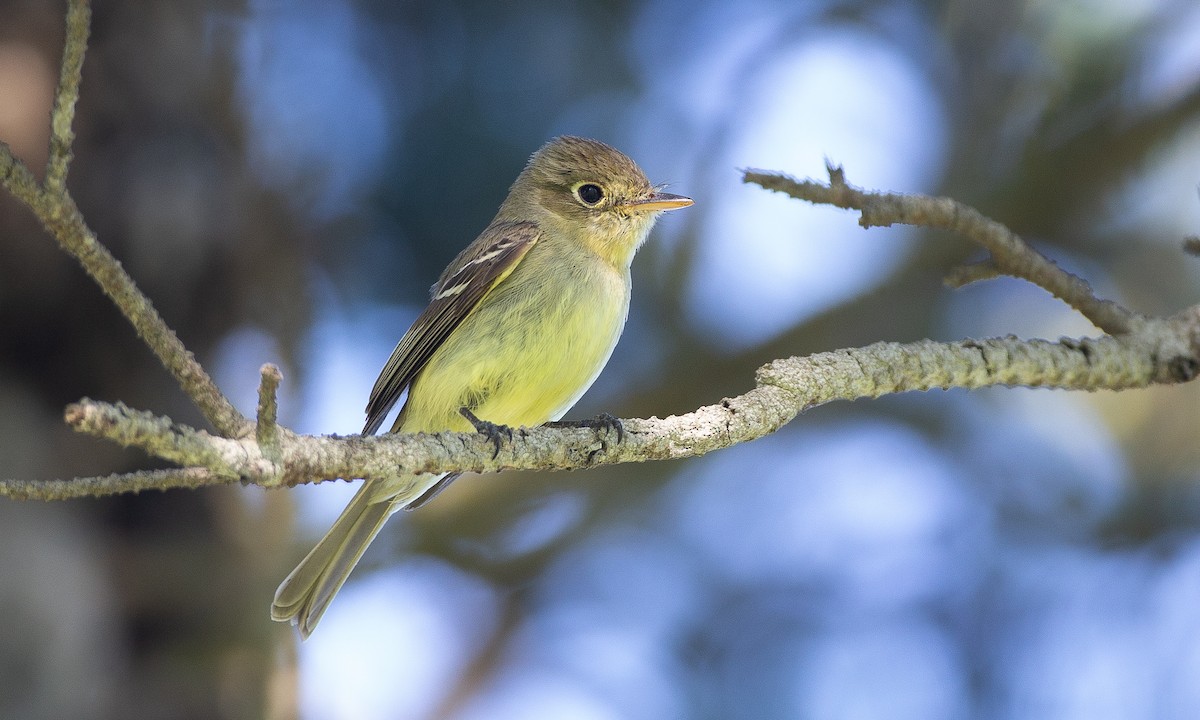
{"points": [[490, 429]]}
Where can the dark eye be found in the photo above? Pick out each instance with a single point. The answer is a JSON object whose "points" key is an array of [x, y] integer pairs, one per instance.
{"points": [[590, 194]]}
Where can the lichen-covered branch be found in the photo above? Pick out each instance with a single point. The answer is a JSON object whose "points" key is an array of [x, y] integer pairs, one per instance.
{"points": [[1161, 351], [62, 136], [266, 428], [175, 478], [161, 437]]}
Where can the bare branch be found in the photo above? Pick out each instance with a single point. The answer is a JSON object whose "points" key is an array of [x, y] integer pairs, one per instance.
{"points": [[56, 209], [67, 226], [17, 179], [183, 478], [1009, 253], [1160, 351], [974, 272], [266, 430], [62, 137], [159, 436]]}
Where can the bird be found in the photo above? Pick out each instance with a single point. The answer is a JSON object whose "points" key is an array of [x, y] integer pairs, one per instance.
{"points": [[518, 327]]}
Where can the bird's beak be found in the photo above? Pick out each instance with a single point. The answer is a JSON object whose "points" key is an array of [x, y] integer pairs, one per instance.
{"points": [[658, 201]]}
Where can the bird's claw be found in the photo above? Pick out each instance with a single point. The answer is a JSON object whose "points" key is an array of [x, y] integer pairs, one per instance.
{"points": [[490, 429]]}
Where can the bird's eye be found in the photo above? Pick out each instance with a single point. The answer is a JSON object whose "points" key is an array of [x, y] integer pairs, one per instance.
{"points": [[589, 193]]}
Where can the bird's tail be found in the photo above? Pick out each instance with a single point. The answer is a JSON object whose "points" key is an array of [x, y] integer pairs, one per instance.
{"points": [[305, 594]]}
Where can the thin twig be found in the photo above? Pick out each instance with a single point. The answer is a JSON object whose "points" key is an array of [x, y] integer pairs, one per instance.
{"points": [[972, 272], [62, 136], [18, 180], [67, 226], [174, 478], [266, 429], [165, 439], [56, 209], [1008, 251]]}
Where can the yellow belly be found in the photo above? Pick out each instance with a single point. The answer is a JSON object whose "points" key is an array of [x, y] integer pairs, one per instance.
{"points": [[530, 350]]}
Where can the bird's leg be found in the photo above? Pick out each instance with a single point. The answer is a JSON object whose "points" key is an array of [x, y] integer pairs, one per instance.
{"points": [[603, 421], [490, 429]]}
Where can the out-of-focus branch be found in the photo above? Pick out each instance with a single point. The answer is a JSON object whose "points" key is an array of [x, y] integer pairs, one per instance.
{"points": [[191, 477], [62, 135], [1009, 254], [53, 205]]}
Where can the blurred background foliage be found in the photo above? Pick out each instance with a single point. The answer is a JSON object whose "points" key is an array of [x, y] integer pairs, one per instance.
{"points": [[285, 180]]}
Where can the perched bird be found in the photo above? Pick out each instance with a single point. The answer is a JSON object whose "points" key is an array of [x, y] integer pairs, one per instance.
{"points": [[518, 327]]}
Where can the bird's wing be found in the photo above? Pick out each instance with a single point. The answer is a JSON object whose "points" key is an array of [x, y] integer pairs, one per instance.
{"points": [[478, 269]]}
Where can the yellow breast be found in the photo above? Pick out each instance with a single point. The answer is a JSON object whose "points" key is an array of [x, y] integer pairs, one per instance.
{"points": [[530, 350]]}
